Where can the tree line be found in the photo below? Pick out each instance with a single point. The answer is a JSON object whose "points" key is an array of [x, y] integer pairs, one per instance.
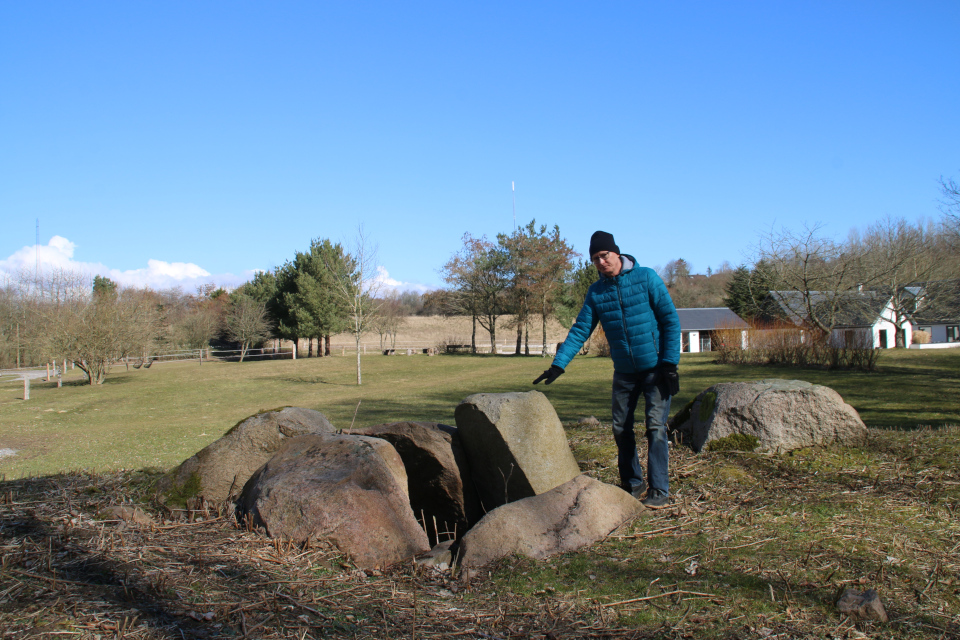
{"points": [[512, 282], [59, 315]]}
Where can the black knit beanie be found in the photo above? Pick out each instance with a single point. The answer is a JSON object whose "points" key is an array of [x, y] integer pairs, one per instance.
{"points": [[602, 241]]}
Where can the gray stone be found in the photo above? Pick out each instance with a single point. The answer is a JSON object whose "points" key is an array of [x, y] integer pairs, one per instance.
{"points": [[439, 557], [441, 489], [589, 421], [571, 516], [339, 489], [516, 445], [781, 415], [862, 606], [218, 471]]}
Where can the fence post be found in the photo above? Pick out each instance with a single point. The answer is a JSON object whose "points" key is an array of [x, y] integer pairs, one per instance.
{"points": [[48, 372], [26, 388], [201, 356]]}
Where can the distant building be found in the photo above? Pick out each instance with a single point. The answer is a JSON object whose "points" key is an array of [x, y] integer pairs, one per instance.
{"points": [[700, 329], [860, 319]]}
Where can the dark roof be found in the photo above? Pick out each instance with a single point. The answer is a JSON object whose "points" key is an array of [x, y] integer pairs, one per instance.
{"points": [[710, 319], [852, 308], [939, 303]]}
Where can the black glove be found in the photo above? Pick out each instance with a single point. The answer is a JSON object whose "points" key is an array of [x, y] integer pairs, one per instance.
{"points": [[550, 374], [670, 378]]}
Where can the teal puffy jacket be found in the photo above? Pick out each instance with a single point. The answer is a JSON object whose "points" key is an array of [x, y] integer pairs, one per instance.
{"points": [[637, 315]]}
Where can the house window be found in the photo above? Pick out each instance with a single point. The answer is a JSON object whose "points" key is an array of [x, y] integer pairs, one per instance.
{"points": [[953, 333]]}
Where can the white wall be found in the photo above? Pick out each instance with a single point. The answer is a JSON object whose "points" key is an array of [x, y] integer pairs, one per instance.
{"points": [[693, 339]]}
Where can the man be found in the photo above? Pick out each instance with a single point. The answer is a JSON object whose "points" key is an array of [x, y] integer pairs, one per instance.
{"points": [[643, 329]]}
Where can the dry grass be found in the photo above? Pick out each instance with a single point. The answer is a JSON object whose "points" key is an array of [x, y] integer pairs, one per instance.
{"points": [[429, 331], [67, 573], [754, 546]]}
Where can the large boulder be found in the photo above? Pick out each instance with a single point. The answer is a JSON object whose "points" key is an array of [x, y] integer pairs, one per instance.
{"points": [[573, 515], [341, 489], [219, 470], [772, 415], [516, 445], [438, 475]]}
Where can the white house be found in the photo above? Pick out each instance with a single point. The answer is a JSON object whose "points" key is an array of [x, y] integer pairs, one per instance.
{"points": [[860, 319], [700, 328]]}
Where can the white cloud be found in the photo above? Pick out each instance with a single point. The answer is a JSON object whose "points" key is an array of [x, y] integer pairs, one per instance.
{"points": [[390, 284], [158, 274]]}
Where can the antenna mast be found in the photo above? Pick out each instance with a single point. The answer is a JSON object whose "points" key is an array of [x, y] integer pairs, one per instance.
{"points": [[36, 272], [513, 191]]}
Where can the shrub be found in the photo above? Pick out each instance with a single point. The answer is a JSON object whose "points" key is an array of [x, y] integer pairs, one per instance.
{"points": [[921, 337], [598, 343], [795, 347]]}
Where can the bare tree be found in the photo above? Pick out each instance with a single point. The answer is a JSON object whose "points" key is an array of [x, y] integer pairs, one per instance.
{"points": [[521, 254], [93, 332], [247, 322], [480, 275], [675, 271], [817, 274], [552, 259], [898, 254], [950, 206], [387, 322], [356, 283]]}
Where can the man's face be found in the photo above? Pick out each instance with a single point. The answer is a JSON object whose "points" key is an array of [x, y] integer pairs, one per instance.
{"points": [[607, 263]]}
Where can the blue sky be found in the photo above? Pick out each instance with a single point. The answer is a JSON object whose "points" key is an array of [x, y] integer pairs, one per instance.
{"points": [[166, 143]]}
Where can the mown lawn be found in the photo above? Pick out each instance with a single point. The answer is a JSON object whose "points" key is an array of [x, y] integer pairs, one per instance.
{"points": [[753, 545], [158, 417]]}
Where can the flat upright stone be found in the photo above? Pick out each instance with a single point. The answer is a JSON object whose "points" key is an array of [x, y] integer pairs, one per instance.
{"points": [[781, 414], [515, 444], [340, 489], [218, 471], [573, 515]]}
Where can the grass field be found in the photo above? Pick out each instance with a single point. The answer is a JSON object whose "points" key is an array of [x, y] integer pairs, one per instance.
{"points": [[157, 417], [753, 546]]}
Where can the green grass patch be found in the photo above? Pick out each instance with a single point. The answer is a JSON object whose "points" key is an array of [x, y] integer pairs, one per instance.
{"points": [[157, 417], [734, 442]]}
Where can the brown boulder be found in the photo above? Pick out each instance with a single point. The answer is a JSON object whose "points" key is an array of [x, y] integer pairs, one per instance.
{"points": [[441, 489], [566, 518], [342, 489], [218, 471]]}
